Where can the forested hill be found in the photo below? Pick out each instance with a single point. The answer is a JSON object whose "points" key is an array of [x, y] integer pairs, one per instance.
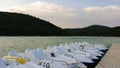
{"points": [[16, 24], [95, 30]]}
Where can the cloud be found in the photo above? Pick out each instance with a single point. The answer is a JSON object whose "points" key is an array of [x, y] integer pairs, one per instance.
{"points": [[102, 9], [41, 8], [70, 17], [107, 12]]}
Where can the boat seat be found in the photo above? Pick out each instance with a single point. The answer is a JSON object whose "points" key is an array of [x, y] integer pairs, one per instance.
{"points": [[34, 54], [52, 55], [12, 53], [69, 50]]}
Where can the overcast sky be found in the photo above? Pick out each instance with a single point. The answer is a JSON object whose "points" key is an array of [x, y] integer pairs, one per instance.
{"points": [[68, 13]]}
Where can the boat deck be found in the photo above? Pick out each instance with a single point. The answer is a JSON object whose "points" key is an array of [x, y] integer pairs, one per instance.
{"points": [[111, 58]]}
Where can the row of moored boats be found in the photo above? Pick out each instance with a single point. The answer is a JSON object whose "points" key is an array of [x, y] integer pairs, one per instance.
{"points": [[73, 55]]}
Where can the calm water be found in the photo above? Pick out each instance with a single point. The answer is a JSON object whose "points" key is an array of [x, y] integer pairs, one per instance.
{"points": [[21, 43]]}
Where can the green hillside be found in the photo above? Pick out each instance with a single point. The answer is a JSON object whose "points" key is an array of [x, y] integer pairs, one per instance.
{"points": [[15, 24], [95, 30]]}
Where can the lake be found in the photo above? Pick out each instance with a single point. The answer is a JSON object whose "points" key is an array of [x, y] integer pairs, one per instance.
{"points": [[20, 43]]}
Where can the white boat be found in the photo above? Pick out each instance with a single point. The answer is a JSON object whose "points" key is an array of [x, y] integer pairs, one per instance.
{"points": [[78, 49], [61, 58], [77, 57], [13, 60], [38, 57]]}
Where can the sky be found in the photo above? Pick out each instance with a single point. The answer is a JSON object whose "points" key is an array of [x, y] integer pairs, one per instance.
{"points": [[68, 13]]}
